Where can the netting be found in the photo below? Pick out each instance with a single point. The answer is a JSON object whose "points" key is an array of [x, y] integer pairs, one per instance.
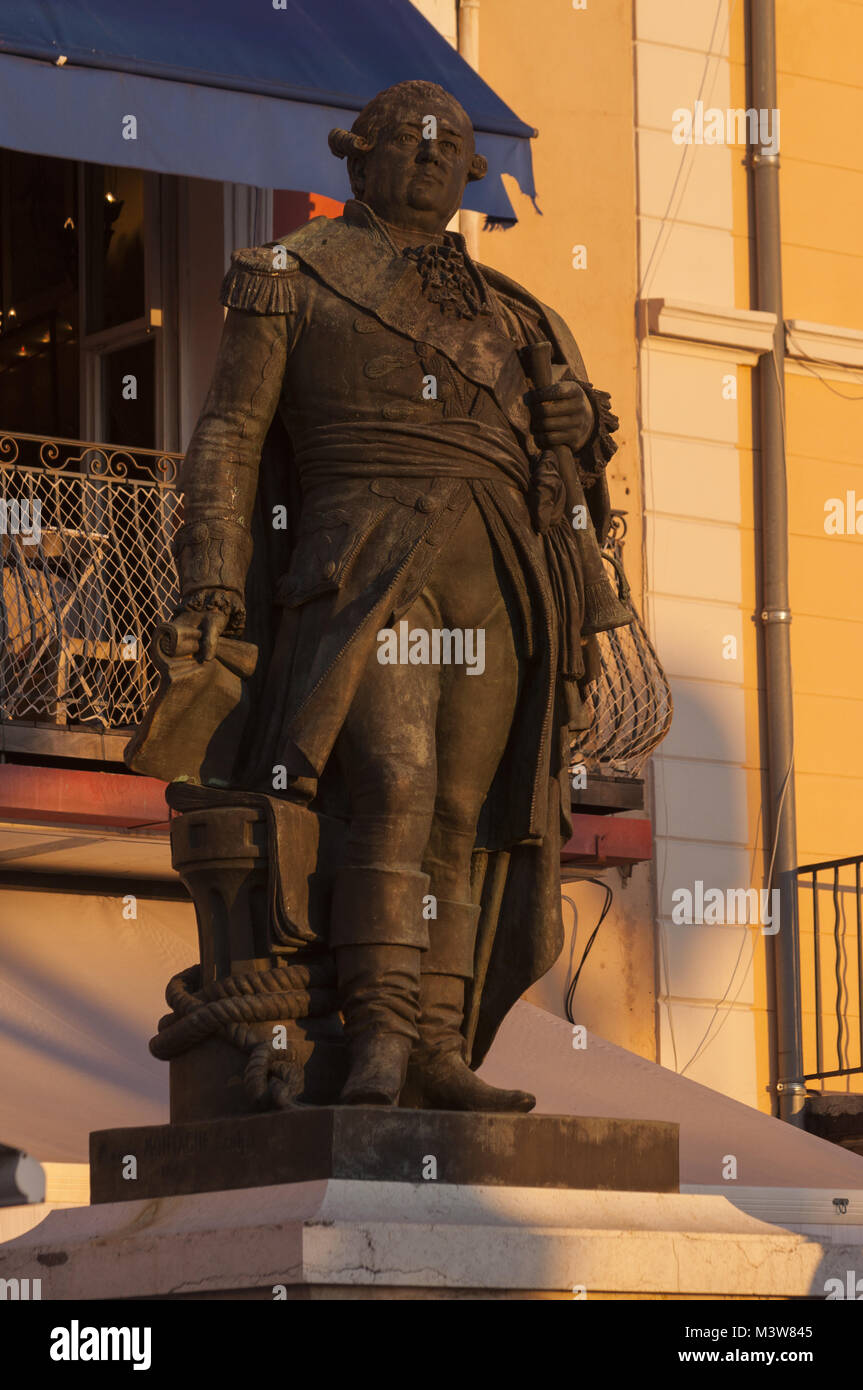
{"points": [[631, 701], [86, 572]]}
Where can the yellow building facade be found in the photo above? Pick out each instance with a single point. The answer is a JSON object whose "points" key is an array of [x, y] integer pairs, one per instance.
{"points": [[644, 243]]}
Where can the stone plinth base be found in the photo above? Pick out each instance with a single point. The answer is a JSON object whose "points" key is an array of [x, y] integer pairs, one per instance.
{"points": [[341, 1239], [368, 1144]]}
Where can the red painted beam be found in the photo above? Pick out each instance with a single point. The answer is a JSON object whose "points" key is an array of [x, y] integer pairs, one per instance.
{"points": [[601, 840], [69, 796]]}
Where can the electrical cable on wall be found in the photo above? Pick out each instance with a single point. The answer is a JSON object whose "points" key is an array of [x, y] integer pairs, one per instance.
{"points": [[609, 897], [810, 365]]}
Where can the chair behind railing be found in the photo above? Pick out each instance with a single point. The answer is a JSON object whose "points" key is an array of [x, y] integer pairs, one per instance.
{"points": [[86, 572]]}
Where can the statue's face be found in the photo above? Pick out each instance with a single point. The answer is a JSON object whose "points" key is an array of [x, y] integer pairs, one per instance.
{"points": [[416, 182]]}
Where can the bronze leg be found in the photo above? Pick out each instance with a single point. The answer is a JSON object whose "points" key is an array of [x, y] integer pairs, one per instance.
{"points": [[418, 766]]}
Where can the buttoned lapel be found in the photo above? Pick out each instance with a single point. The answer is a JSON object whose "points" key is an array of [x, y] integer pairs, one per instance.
{"points": [[355, 258]]}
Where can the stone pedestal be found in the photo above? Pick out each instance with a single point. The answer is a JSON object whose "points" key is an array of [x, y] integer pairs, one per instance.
{"points": [[367, 1144], [343, 1203], [346, 1239]]}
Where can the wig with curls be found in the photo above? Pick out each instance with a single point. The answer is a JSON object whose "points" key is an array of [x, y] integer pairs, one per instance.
{"points": [[354, 144]]}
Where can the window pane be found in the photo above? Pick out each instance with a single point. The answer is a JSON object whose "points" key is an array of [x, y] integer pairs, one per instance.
{"points": [[129, 395], [115, 246], [39, 391]]}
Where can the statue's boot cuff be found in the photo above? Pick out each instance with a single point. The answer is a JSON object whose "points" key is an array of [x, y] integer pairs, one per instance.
{"points": [[379, 1063], [446, 967], [379, 989], [373, 904], [438, 1076], [379, 996], [452, 939]]}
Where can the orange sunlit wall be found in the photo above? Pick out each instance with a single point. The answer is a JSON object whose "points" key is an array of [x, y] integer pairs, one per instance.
{"points": [[292, 209]]}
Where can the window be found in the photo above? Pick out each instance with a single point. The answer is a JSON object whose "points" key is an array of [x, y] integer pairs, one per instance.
{"points": [[39, 295], [87, 263]]}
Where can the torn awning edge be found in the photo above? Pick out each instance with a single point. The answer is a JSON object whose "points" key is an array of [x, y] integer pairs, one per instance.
{"points": [[207, 132]]}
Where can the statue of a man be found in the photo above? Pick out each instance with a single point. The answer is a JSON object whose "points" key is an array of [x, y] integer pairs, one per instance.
{"points": [[415, 586]]}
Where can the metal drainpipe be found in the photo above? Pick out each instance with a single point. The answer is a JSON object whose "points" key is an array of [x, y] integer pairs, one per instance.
{"points": [[778, 717], [467, 19]]}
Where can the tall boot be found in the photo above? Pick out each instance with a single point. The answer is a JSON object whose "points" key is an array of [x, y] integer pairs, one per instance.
{"points": [[438, 1076], [378, 934], [379, 993]]}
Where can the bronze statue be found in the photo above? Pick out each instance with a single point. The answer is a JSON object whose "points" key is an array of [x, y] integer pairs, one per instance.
{"points": [[390, 583]]}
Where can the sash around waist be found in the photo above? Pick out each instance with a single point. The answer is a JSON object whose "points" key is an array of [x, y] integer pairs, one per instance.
{"points": [[461, 449], [453, 448]]}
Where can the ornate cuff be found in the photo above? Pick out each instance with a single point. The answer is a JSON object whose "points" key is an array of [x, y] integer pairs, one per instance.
{"points": [[212, 554], [220, 601], [594, 456]]}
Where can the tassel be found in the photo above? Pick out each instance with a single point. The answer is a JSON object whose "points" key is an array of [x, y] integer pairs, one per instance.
{"points": [[603, 610]]}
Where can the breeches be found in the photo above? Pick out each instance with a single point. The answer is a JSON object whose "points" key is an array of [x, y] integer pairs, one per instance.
{"points": [[422, 742]]}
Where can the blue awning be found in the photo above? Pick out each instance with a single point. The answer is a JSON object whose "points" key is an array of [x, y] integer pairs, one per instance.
{"points": [[225, 90]]}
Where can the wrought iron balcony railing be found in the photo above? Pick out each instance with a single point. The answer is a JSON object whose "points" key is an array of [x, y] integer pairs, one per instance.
{"points": [[86, 572]]}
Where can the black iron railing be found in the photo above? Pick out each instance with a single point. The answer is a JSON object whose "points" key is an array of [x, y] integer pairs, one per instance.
{"points": [[830, 917]]}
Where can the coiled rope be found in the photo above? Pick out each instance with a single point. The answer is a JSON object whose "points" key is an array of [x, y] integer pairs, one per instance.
{"points": [[234, 1007]]}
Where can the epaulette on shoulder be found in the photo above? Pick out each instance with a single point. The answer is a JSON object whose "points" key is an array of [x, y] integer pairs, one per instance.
{"points": [[259, 279]]}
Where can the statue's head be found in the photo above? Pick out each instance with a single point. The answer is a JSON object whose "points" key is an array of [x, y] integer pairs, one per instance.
{"points": [[410, 155]]}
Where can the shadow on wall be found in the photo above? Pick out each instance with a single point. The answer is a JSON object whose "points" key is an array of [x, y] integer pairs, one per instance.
{"points": [[81, 992], [701, 792], [703, 824]]}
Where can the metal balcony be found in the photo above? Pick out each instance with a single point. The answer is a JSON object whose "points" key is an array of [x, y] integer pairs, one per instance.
{"points": [[830, 916], [86, 572]]}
